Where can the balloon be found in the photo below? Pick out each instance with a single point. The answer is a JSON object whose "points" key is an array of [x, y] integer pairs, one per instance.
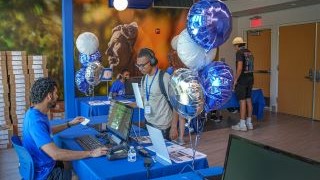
{"points": [[217, 82], [87, 43], [93, 73], [86, 59], [81, 82], [185, 93], [209, 23], [191, 54], [174, 42]]}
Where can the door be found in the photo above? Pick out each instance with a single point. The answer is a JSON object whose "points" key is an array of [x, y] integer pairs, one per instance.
{"points": [[259, 43], [296, 59], [317, 85]]}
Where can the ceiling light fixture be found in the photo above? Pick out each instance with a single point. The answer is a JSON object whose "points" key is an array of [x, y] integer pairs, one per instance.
{"points": [[120, 5]]}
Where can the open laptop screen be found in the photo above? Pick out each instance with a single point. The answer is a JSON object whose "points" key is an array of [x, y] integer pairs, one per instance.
{"points": [[249, 160], [119, 119], [128, 85]]}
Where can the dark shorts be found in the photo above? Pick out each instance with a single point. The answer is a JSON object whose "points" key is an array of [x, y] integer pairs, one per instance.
{"points": [[165, 132], [243, 88], [59, 173]]}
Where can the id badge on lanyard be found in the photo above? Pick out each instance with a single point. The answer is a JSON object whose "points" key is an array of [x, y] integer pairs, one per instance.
{"points": [[147, 108]]}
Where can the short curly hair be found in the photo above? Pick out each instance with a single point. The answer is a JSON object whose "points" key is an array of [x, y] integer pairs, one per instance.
{"points": [[41, 88]]}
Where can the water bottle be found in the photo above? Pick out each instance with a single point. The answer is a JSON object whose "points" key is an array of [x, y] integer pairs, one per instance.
{"points": [[132, 155], [110, 96]]}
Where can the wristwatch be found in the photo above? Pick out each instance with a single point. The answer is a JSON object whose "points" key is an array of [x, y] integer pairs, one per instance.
{"points": [[68, 124]]}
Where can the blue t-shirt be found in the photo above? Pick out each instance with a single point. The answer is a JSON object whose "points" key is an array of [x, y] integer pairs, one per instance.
{"points": [[118, 87], [36, 133]]}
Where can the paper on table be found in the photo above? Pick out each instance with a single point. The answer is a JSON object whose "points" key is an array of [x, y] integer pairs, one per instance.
{"points": [[125, 101], [137, 95], [85, 122], [180, 154], [98, 103]]}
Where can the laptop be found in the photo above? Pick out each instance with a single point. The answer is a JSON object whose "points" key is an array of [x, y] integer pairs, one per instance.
{"points": [[129, 93], [159, 145], [251, 160]]}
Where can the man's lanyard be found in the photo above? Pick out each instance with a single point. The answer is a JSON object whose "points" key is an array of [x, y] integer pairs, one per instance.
{"points": [[148, 90]]}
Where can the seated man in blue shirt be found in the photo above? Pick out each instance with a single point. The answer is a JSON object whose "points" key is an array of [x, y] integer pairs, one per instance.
{"points": [[47, 157], [118, 88]]}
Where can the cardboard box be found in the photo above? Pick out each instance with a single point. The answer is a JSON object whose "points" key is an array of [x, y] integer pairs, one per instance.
{"points": [[17, 71], [19, 86], [21, 108], [18, 76], [2, 53], [4, 97], [5, 109], [16, 58], [16, 53], [4, 88], [17, 63], [38, 71], [12, 68], [3, 58], [18, 99], [19, 81], [3, 65], [4, 82], [37, 66], [37, 59], [3, 70]]}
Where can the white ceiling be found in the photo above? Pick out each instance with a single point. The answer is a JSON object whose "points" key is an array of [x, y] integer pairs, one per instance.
{"points": [[251, 7]]}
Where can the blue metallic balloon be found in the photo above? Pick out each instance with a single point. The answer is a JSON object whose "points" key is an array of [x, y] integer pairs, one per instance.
{"points": [[86, 59], [217, 81], [81, 82], [209, 23], [185, 93]]}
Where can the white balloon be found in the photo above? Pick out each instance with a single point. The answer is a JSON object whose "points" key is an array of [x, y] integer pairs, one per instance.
{"points": [[191, 54], [174, 42], [120, 5], [87, 43]]}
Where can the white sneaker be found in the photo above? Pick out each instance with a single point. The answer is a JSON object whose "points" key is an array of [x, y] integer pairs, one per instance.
{"points": [[249, 126], [238, 127], [181, 142]]}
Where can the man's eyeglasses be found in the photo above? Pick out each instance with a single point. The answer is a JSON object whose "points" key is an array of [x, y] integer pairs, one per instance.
{"points": [[142, 65]]}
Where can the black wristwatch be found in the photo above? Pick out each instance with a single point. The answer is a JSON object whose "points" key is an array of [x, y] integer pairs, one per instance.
{"points": [[68, 124]]}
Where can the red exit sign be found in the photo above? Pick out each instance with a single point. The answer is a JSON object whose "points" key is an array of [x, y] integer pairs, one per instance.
{"points": [[255, 22]]}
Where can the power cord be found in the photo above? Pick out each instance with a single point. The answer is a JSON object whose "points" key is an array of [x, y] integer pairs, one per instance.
{"points": [[147, 165]]}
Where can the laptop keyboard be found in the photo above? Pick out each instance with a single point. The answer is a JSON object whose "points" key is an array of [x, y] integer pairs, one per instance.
{"points": [[88, 142]]}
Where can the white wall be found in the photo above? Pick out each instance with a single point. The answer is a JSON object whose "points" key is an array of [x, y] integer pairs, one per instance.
{"points": [[273, 21]]}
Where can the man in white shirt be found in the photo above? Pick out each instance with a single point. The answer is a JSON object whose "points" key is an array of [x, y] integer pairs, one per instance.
{"points": [[156, 107]]}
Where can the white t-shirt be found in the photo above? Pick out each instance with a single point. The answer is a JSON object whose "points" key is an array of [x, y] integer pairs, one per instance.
{"points": [[161, 113]]}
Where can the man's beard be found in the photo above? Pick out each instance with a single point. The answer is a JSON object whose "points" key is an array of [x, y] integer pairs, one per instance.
{"points": [[52, 104]]}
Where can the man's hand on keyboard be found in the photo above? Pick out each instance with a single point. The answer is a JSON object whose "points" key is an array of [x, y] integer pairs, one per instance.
{"points": [[99, 152]]}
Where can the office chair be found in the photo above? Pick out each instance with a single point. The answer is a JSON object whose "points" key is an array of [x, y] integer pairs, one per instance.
{"points": [[26, 167]]}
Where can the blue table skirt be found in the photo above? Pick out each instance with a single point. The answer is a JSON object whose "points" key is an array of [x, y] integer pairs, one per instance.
{"points": [[102, 168], [257, 102], [195, 175]]}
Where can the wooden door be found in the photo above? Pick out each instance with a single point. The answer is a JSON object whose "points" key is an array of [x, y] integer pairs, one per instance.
{"points": [[259, 43], [317, 85], [296, 58]]}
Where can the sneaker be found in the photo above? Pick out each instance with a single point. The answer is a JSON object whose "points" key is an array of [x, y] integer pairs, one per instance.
{"points": [[180, 142], [238, 127], [249, 126]]}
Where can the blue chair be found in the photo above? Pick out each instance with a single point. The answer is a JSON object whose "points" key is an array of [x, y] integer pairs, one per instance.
{"points": [[26, 167]]}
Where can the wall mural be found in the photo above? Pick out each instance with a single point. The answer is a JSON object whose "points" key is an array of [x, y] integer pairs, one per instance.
{"points": [[35, 26]]}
